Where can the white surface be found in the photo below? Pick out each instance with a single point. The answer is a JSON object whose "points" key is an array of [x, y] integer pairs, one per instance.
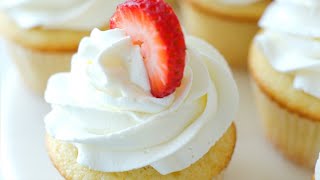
{"points": [[23, 152], [24, 155]]}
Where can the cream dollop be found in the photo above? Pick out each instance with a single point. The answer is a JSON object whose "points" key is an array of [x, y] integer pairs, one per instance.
{"points": [[317, 170], [60, 14], [296, 17], [238, 2], [104, 106], [291, 42]]}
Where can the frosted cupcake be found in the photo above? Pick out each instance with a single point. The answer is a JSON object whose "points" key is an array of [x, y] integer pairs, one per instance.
{"points": [[285, 66], [43, 35], [229, 25], [138, 105]]}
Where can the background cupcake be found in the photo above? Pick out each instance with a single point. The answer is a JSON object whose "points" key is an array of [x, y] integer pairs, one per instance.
{"points": [[42, 35], [285, 66], [173, 3], [142, 102], [229, 25]]}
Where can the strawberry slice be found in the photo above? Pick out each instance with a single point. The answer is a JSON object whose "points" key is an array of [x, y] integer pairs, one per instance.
{"points": [[154, 26]]}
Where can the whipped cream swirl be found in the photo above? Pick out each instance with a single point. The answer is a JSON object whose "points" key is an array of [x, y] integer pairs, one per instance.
{"points": [[105, 109], [291, 41], [238, 2], [60, 14]]}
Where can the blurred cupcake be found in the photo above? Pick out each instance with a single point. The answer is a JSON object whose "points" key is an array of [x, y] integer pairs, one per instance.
{"points": [[229, 25], [285, 66], [173, 3], [138, 105], [42, 35]]}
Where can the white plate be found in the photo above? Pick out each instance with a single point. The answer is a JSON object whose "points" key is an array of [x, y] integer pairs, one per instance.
{"points": [[24, 154]]}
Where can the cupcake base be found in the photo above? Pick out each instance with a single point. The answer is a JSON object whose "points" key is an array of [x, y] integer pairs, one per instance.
{"points": [[35, 66], [297, 138], [210, 166], [232, 37]]}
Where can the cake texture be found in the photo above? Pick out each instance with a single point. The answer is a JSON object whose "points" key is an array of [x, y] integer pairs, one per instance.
{"points": [[210, 166], [228, 27]]}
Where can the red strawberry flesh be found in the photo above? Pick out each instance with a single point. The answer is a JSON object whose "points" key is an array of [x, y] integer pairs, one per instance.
{"points": [[154, 26]]}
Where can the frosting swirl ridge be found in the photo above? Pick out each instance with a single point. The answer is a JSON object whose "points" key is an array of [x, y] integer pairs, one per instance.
{"points": [[104, 106]]}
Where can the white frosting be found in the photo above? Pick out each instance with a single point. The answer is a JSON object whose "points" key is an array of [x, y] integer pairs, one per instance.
{"points": [[310, 3], [317, 170], [238, 2], [60, 14], [290, 42], [293, 18], [104, 106]]}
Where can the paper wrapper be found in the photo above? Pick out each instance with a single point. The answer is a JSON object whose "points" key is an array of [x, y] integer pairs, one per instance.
{"points": [[36, 67], [296, 137], [231, 37]]}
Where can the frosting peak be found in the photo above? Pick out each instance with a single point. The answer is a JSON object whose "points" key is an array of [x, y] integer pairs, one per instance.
{"points": [[60, 14], [104, 106]]}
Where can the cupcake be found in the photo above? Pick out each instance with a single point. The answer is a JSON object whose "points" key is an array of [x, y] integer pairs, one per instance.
{"points": [[42, 36], [229, 25], [285, 68], [142, 102]]}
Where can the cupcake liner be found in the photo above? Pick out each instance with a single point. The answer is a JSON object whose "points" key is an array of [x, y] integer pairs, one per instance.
{"points": [[223, 33], [35, 66], [296, 137]]}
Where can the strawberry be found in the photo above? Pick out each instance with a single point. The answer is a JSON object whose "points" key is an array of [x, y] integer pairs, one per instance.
{"points": [[154, 26]]}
